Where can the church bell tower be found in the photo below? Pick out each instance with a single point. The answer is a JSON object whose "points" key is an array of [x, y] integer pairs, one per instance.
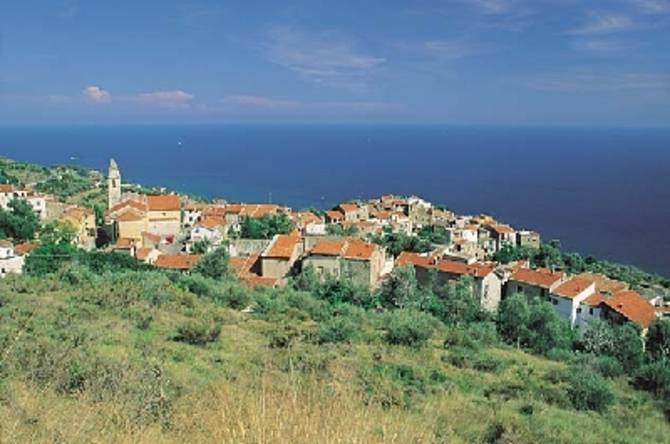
{"points": [[113, 184]]}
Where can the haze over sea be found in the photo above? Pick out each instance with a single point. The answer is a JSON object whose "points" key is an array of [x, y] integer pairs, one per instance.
{"points": [[604, 192]]}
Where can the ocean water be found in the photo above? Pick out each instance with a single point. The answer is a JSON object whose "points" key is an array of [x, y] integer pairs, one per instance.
{"points": [[604, 192]]}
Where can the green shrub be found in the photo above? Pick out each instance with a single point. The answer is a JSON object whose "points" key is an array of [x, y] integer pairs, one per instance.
{"points": [[589, 391], [654, 377], [337, 329], [409, 327], [197, 332]]}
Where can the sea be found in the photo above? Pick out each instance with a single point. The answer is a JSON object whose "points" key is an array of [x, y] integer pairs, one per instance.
{"points": [[600, 191]]}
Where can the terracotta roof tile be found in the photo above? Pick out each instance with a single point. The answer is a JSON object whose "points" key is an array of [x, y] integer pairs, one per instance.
{"points": [[595, 299], [211, 222], [177, 261], [283, 246], [605, 284], [573, 287], [328, 247], [128, 203], [633, 307], [540, 277], [415, 259], [24, 247], [334, 214], [461, 268], [129, 216], [348, 207], [359, 249], [165, 202]]}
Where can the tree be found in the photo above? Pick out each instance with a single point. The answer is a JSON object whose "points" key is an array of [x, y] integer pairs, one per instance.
{"points": [[400, 288], [19, 222], [49, 258], [460, 305], [265, 227], [545, 330], [396, 243], [58, 232], [598, 338], [339, 230], [201, 246], [629, 347], [214, 265], [658, 339], [513, 317]]}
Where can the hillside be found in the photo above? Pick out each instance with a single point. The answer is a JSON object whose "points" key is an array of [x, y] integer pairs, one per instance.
{"points": [[145, 356]]}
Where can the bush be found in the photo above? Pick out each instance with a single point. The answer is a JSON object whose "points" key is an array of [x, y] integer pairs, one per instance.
{"points": [[197, 332], [409, 327], [654, 377], [337, 329], [589, 391]]}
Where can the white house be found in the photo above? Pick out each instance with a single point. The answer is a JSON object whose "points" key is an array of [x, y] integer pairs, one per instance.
{"points": [[567, 297], [10, 262], [10, 192]]}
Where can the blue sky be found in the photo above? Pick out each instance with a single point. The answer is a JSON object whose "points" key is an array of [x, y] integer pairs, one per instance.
{"points": [[503, 62]]}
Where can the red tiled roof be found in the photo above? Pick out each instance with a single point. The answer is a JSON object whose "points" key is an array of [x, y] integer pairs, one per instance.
{"points": [[502, 229], [347, 207], [283, 246], [128, 203], [595, 299], [540, 277], [211, 222], [477, 269], [6, 244], [461, 268], [333, 214], [129, 216], [177, 261], [415, 259], [243, 264], [359, 249], [24, 247], [307, 217], [605, 284], [165, 202], [573, 287], [254, 280], [327, 247], [633, 307]]}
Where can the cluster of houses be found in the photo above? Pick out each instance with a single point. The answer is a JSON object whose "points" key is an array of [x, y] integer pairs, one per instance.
{"points": [[166, 230]]}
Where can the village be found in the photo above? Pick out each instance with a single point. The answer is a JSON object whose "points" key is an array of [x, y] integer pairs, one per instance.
{"points": [[170, 231]]}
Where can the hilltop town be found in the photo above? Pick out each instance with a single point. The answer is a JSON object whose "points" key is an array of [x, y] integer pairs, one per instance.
{"points": [[363, 240]]}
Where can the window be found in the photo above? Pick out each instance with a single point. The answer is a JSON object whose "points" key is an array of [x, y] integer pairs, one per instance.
{"points": [[319, 269], [519, 288], [591, 311], [579, 310], [554, 301]]}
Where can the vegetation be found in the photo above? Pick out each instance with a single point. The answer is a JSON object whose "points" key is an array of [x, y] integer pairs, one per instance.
{"points": [[435, 235], [396, 243], [265, 227], [92, 346], [66, 182], [19, 222], [339, 230]]}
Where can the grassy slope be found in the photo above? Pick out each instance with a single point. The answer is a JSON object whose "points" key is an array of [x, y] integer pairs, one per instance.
{"points": [[139, 385]]}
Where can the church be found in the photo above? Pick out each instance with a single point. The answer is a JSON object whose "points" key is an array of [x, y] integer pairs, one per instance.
{"points": [[139, 220]]}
